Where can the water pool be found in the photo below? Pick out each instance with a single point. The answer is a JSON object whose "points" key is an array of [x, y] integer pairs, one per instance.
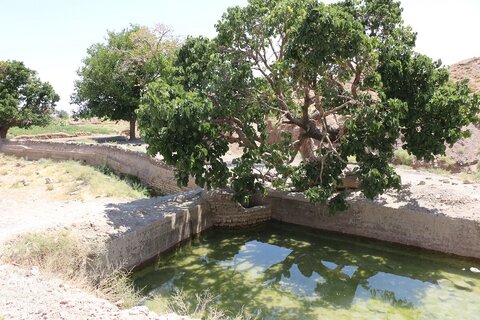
{"points": [[281, 271]]}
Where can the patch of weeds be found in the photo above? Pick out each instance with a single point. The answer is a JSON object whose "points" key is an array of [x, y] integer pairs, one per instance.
{"points": [[470, 177], [117, 287], [52, 251], [105, 169], [402, 157], [133, 181], [200, 306], [77, 262], [439, 171], [447, 161]]}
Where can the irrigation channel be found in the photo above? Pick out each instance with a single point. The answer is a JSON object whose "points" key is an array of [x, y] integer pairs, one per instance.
{"points": [[280, 271]]}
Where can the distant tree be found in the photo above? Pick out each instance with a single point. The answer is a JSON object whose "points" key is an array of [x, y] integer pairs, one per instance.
{"points": [[345, 76], [116, 72], [24, 99], [62, 114]]}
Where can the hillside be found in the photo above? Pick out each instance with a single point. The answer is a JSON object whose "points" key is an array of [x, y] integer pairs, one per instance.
{"points": [[467, 151], [467, 69]]}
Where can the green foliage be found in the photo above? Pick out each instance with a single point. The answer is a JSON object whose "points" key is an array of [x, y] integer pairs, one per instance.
{"points": [[133, 182], [62, 114], [63, 126], [344, 75], [402, 157], [116, 72], [24, 99]]}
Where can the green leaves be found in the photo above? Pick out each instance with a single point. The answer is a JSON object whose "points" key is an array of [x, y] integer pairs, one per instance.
{"points": [[24, 99], [116, 73], [285, 77]]}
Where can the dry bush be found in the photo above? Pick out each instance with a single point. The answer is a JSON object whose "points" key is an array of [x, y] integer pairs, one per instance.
{"points": [[201, 306]]}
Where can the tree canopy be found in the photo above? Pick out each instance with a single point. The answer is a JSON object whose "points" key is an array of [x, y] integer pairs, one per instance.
{"points": [[24, 99], [115, 73], [284, 77]]}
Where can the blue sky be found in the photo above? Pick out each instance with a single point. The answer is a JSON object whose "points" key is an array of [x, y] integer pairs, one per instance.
{"points": [[51, 36]]}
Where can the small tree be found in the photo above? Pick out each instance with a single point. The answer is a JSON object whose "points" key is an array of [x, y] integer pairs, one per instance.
{"points": [[344, 76], [115, 73], [24, 99]]}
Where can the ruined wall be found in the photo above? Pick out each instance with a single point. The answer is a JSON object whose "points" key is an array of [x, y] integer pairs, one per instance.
{"points": [[439, 232], [151, 172]]}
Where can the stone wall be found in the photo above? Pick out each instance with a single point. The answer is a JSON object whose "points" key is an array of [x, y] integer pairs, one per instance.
{"points": [[439, 232], [150, 171], [434, 231], [229, 213], [171, 220]]}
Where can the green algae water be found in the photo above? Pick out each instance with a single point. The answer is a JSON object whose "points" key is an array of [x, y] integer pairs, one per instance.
{"points": [[281, 271]]}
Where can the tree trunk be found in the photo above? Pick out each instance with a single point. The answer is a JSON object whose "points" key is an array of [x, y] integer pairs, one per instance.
{"points": [[3, 132], [132, 128]]}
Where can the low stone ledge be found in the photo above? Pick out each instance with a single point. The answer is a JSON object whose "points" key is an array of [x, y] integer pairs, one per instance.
{"points": [[419, 228], [156, 226]]}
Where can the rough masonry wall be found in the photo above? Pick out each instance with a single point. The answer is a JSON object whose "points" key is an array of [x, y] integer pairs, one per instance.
{"points": [[459, 236], [229, 213], [151, 172]]}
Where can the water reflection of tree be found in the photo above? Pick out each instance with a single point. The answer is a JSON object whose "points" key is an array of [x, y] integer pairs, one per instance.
{"points": [[337, 287]]}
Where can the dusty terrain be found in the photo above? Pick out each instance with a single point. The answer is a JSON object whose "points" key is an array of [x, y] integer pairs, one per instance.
{"points": [[37, 200]]}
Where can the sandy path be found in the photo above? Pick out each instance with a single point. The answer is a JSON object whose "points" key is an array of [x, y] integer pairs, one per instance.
{"points": [[29, 295], [36, 214]]}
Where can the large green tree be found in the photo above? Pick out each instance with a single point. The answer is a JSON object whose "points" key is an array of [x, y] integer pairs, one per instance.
{"points": [[24, 99], [331, 81], [115, 73]]}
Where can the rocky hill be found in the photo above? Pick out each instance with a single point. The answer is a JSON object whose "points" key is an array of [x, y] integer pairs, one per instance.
{"points": [[466, 152], [467, 69]]}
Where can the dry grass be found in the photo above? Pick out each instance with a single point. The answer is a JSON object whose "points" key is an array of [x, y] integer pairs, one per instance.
{"points": [[201, 306], [67, 180], [82, 264], [93, 126]]}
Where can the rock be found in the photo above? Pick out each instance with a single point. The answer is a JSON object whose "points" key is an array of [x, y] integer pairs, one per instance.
{"points": [[462, 285], [48, 181], [437, 196], [474, 270], [421, 183], [24, 182], [444, 283], [35, 271]]}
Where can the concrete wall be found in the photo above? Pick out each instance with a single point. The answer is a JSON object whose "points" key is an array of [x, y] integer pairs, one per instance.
{"points": [[443, 233], [171, 223], [151, 172]]}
